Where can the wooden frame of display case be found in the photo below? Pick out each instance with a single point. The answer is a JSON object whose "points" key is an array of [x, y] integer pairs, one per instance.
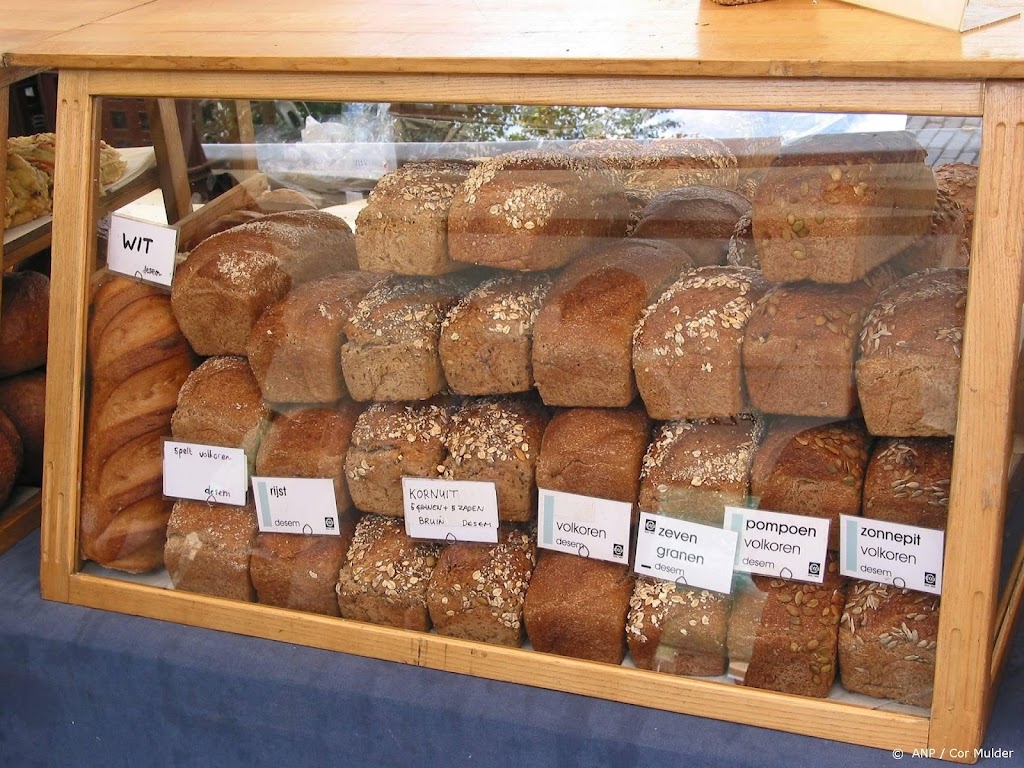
{"points": [[975, 623]]}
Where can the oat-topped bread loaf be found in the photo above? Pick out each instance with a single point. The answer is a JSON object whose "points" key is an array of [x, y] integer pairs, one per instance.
{"points": [[386, 575], [582, 344], [699, 219], [960, 181], [887, 640], [23, 401], [220, 404], [834, 206], [800, 345], [391, 440], [208, 548], [12, 453], [24, 332], [390, 352], [908, 372], [946, 244], [908, 481], [227, 281], [805, 467], [695, 469], [404, 227], [742, 249], [486, 343], [477, 590], [677, 629], [665, 164], [497, 439], [535, 210], [138, 361], [687, 346], [294, 349]]}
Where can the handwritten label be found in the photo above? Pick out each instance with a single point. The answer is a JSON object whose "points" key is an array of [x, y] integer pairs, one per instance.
{"points": [[687, 553], [584, 525], [905, 556], [205, 473], [296, 505], [778, 544], [142, 249], [452, 510]]}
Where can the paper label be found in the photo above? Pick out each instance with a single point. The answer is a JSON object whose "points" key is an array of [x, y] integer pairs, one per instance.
{"points": [[142, 249], [779, 544], [902, 555], [584, 525], [452, 510], [205, 473], [687, 553], [296, 505]]}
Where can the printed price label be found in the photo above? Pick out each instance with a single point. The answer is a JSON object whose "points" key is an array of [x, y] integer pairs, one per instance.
{"points": [[296, 505], [687, 553], [902, 555], [779, 544], [205, 473], [584, 525], [142, 249], [453, 510]]}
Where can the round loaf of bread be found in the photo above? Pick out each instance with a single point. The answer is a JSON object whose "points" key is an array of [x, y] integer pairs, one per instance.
{"points": [[534, 209], [300, 572], [11, 456], [26, 315], [23, 400], [908, 481], [222, 224], [209, 547], [282, 199]]}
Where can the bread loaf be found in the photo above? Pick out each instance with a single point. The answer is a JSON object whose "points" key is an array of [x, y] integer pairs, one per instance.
{"points": [[754, 156], [26, 194], [960, 182], [23, 400], [907, 481], [908, 372], [582, 352], [208, 548], [11, 457], [281, 200], [26, 312], [946, 244], [742, 249], [665, 164]]}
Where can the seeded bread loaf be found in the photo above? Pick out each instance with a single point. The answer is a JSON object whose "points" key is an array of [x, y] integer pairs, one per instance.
{"points": [[404, 227], [391, 440], [800, 344], [908, 372], [497, 440], [677, 629], [229, 279], [804, 467], [834, 206], [535, 210], [687, 345], [486, 342], [742, 249], [946, 244], [26, 316], [582, 341], [477, 590], [694, 469], [208, 548], [887, 640], [386, 575], [665, 164], [11, 457], [23, 401], [960, 181], [294, 349], [907, 481], [754, 156]]}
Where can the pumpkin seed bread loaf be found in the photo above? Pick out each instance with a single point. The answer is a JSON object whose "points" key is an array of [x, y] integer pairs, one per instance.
{"points": [[908, 481]]}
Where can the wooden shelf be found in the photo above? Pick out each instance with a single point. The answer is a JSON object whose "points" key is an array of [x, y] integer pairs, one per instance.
{"points": [[20, 517]]}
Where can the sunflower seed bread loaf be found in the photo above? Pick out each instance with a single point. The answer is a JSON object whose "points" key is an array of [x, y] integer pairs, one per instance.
{"points": [[908, 481]]}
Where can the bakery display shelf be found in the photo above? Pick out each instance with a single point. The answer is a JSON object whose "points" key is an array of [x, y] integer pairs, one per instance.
{"points": [[20, 516]]}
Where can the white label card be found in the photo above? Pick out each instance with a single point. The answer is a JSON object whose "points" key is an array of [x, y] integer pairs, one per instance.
{"points": [[452, 510], [779, 544], [687, 553], [902, 555], [584, 525], [296, 505], [142, 249], [205, 473]]}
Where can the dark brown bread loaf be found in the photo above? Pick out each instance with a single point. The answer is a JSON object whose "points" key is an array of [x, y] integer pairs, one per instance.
{"points": [[908, 372], [946, 244], [887, 640], [687, 346], [960, 181], [535, 210], [208, 548], [26, 315], [386, 575], [677, 629], [294, 349], [229, 279], [486, 343], [11, 457], [23, 400], [907, 481], [477, 590], [835, 206], [138, 361], [698, 219], [404, 227], [694, 469], [497, 440], [804, 467], [800, 344], [582, 344], [389, 441]]}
